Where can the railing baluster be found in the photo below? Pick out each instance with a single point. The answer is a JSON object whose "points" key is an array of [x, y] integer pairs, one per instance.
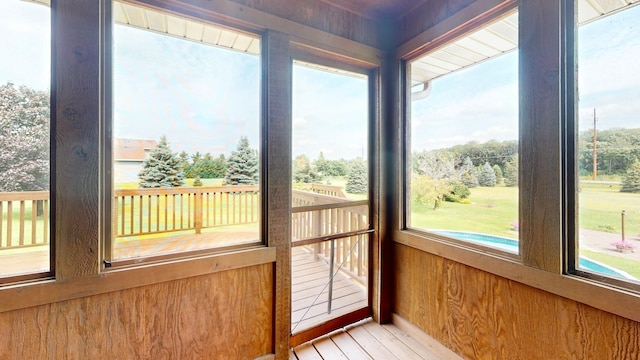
{"points": [[9, 223], [1, 217], [45, 217], [34, 217]]}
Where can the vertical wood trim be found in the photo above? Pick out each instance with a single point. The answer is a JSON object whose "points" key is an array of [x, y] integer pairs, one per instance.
{"points": [[277, 74], [540, 136], [76, 124], [390, 175]]}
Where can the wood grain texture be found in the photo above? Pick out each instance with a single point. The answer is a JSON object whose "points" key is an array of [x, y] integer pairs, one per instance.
{"points": [[480, 315], [226, 315], [277, 82], [321, 16], [75, 125], [540, 184]]}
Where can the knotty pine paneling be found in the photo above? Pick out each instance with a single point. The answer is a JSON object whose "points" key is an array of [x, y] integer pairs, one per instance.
{"points": [[226, 315], [482, 316]]}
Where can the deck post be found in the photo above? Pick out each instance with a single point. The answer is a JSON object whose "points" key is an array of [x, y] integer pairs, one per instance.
{"points": [[197, 221]]}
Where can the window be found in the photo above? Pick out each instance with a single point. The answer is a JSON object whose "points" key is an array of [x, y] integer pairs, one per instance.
{"points": [[25, 240], [608, 139], [462, 148], [186, 121]]}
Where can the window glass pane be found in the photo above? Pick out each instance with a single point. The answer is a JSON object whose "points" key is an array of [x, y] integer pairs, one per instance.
{"points": [[330, 194], [25, 35], [463, 152], [186, 98], [609, 138]]}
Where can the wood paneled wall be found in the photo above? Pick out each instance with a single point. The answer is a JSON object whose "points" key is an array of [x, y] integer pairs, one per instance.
{"points": [[225, 315], [321, 16], [483, 316]]}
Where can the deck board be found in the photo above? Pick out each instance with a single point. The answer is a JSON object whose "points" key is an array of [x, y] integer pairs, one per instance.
{"points": [[369, 340], [310, 291]]}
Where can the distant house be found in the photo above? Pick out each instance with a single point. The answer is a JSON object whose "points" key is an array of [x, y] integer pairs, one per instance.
{"points": [[128, 156]]}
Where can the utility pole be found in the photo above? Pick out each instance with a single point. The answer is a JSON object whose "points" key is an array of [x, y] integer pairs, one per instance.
{"points": [[595, 149]]}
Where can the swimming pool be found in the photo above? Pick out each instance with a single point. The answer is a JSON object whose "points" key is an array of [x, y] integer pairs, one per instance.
{"points": [[511, 246]]}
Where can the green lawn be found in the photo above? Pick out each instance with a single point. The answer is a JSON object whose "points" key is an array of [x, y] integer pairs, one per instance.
{"points": [[601, 206], [491, 212]]}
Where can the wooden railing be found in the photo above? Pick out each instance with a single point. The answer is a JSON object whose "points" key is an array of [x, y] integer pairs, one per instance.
{"points": [[316, 217], [162, 210], [24, 219]]}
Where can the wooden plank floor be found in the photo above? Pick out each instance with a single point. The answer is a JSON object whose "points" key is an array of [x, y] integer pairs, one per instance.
{"points": [[368, 340], [310, 291]]}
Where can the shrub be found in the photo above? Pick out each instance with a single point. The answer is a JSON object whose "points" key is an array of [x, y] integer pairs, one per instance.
{"points": [[458, 192], [197, 181], [465, 201]]}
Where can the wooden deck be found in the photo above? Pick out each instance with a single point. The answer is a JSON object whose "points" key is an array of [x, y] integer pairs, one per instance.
{"points": [[310, 290], [369, 340]]}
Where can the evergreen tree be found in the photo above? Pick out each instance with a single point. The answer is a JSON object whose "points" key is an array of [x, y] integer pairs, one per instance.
{"points": [[162, 168], [511, 172], [498, 171], [357, 181], [631, 180], [242, 165], [197, 181], [487, 177], [468, 173], [303, 172]]}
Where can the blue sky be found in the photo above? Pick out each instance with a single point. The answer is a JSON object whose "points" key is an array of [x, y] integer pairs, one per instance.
{"points": [[204, 98]]}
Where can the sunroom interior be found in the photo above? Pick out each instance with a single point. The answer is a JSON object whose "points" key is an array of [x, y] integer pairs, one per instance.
{"points": [[289, 262]]}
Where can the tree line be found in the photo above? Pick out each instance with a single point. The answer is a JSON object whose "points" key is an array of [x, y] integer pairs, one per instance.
{"points": [[449, 174]]}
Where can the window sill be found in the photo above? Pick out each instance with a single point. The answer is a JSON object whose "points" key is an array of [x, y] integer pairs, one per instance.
{"points": [[605, 297], [20, 296]]}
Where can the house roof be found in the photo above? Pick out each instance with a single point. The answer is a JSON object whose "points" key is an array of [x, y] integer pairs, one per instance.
{"points": [[132, 149]]}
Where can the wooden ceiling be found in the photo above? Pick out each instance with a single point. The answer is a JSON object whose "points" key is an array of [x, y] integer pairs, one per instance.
{"points": [[377, 9]]}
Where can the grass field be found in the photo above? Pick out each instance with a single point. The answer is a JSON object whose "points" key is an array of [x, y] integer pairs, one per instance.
{"points": [[491, 212]]}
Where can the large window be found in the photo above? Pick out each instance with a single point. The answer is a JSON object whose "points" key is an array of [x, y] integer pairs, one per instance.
{"points": [[24, 138], [186, 161], [462, 154], [608, 139]]}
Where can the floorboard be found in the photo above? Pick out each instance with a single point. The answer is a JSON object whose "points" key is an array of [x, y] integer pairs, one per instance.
{"points": [[368, 340]]}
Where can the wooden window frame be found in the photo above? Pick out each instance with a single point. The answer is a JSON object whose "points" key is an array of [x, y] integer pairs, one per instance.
{"points": [[548, 254]]}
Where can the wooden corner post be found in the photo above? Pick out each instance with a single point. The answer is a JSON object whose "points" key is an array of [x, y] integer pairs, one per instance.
{"points": [[277, 180]]}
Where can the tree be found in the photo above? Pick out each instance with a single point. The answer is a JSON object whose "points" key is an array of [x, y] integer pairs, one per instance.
{"points": [[487, 177], [197, 181], [511, 172], [631, 180], [24, 139], [425, 190], [357, 181], [163, 168], [303, 172], [243, 165], [468, 173], [498, 171]]}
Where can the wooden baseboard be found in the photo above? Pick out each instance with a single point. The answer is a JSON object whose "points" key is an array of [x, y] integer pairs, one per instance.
{"points": [[437, 348]]}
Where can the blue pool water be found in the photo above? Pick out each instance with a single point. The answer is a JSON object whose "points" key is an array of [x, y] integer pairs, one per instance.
{"points": [[511, 245]]}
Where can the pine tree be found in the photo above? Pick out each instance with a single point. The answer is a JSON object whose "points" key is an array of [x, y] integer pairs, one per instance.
{"points": [[631, 180], [498, 171], [242, 165], [468, 173], [357, 181], [487, 176], [511, 172], [197, 182], [162, 168]]}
